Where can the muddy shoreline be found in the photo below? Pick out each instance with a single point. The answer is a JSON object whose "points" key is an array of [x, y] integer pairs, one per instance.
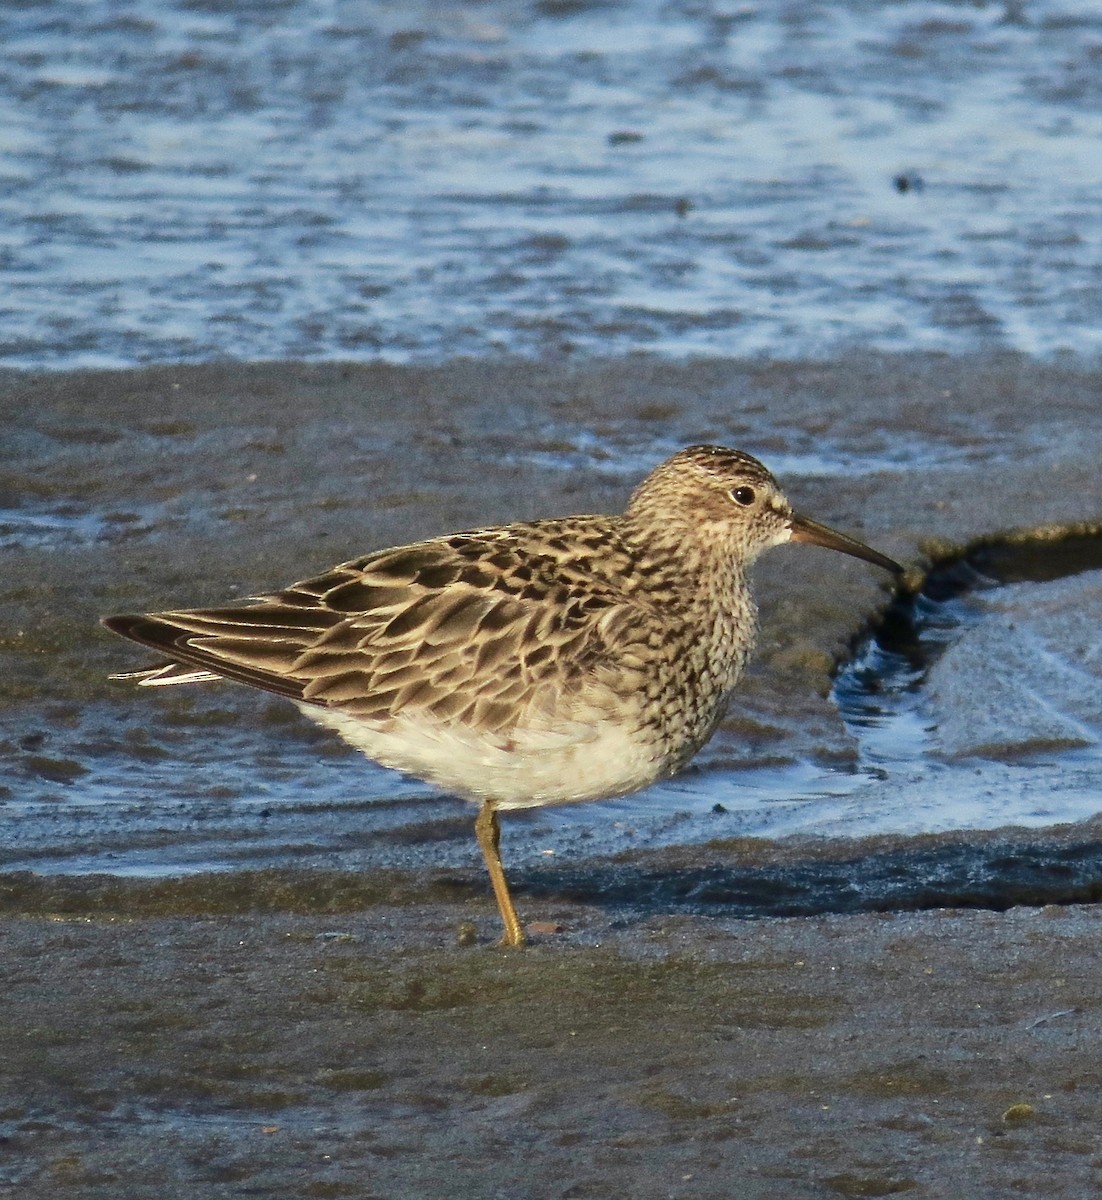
{"points": [[303, 1033], [940, 1054]]}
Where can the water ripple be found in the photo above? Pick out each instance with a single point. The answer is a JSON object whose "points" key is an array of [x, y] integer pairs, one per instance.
{"points": [[415, 183]]}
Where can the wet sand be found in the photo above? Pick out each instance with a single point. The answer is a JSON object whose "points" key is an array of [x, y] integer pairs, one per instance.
{"points": [[940, 1054], [288, 1035]]}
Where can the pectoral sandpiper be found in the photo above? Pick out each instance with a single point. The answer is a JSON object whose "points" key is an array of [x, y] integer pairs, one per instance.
{"points": [[544, 662]]}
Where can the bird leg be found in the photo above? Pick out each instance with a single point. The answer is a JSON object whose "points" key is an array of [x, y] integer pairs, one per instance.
{"points": [[489, 835]]}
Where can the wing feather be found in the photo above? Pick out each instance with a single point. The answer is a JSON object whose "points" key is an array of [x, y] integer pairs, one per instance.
{"points": [[472, 628]]}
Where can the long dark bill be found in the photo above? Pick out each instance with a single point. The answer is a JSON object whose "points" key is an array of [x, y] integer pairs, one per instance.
{"points": [[806, 530]]}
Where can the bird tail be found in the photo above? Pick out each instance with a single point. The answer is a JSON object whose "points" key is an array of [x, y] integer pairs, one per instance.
{"points": [[167, 673]]}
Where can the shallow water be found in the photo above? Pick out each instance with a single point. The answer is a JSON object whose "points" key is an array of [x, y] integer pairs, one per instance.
{"points": [[185, 181]]}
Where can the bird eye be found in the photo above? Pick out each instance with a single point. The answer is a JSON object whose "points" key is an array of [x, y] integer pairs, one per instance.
{"points": [[744, 496]]}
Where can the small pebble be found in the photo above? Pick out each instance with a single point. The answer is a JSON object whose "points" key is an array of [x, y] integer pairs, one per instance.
{"points": [[544, 927], [1018, 1112]]}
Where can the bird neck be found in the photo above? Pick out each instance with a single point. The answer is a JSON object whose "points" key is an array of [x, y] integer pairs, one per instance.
{"points": [[693, 565]]}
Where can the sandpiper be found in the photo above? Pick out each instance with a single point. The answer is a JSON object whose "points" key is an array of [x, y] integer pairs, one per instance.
{"points": [[544, 662]]}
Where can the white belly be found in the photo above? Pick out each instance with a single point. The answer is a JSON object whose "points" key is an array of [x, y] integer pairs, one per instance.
{"points": [[574, 761]]}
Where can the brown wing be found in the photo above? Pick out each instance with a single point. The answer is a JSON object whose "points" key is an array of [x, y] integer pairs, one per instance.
{"points": [[465, 628]]}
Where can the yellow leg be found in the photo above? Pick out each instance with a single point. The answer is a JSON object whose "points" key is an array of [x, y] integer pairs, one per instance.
{"points": [[489, 835]]}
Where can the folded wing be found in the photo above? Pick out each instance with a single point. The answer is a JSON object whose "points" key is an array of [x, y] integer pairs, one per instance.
{"points": [[460, 629]]}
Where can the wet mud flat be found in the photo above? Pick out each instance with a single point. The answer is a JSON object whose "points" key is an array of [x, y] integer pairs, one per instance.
{"points": [[716, 1015], [944, 1053]]}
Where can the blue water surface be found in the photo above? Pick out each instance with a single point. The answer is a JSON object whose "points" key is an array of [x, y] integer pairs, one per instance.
{"points": [[362, 180]]}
